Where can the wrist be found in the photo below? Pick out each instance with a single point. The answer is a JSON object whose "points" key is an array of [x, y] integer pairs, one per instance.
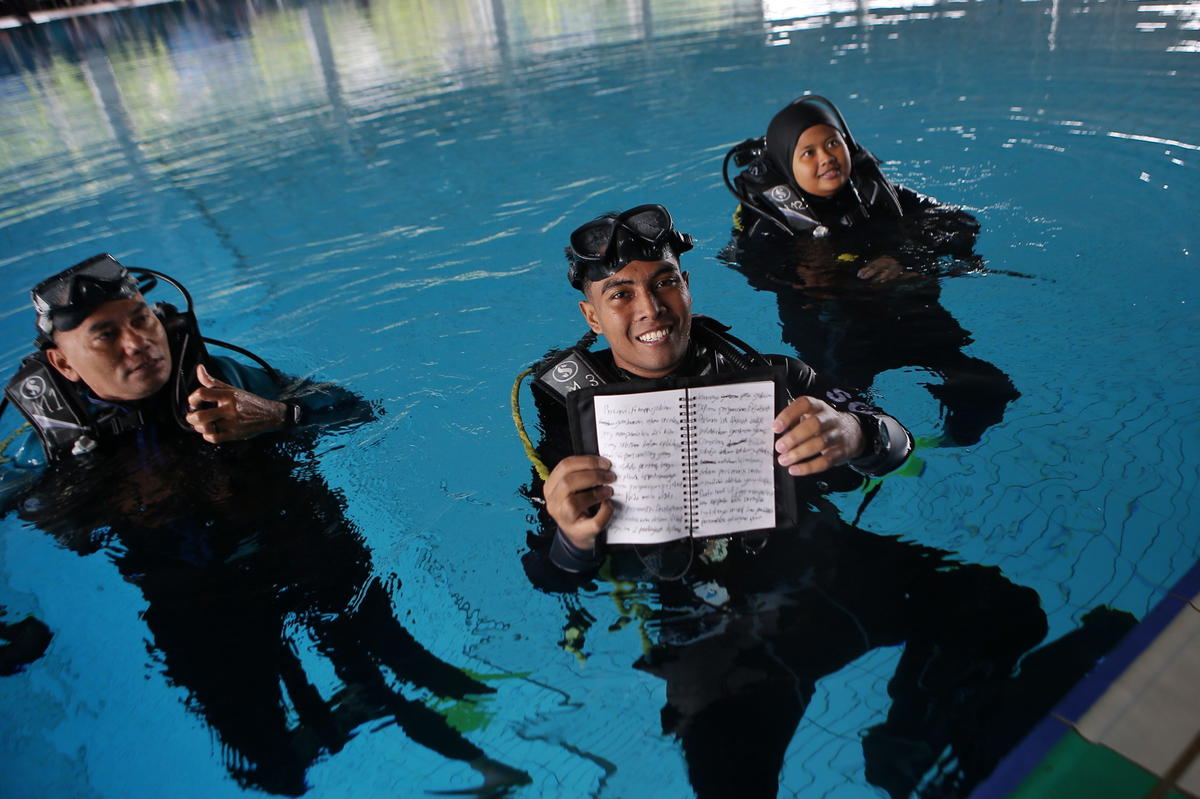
{"points": [[567, 556], [859, 435], [581, 543]]}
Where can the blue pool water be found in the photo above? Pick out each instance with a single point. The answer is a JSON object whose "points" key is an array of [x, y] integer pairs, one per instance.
{"points": [[378, 193]]}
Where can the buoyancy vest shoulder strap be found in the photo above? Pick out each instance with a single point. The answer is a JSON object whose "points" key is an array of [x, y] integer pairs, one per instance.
{"points": [[716, 335], [564, 371], [52, 405]]}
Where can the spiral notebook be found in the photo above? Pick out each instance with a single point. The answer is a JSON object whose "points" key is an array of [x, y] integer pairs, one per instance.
{"points": [[695, 459]]}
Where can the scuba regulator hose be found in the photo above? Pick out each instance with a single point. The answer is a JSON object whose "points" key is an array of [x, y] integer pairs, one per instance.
{"points": [[530, 452]]}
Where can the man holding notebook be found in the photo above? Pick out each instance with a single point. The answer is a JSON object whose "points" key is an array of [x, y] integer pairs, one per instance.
{"points": [[636, 296], [695, 468]]}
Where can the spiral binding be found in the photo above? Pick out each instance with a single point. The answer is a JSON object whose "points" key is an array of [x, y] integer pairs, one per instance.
{"points": [[687, 424]]}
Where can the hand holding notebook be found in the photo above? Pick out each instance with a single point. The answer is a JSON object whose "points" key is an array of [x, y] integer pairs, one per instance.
{"points": [[694, 459]]}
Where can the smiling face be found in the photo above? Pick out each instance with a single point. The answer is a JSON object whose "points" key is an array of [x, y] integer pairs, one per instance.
{"points": [[645, 313], [821, 161], [120, 351]]}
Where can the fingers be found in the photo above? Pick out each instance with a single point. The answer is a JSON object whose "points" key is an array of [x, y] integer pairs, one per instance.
{"points": [[208, 380], [221, 412], [814, 465], [208, 423], [586, 511], [881, 269], [205, 416], [211, 392], [804, 449], [577, 497], [581, 478], [600, 520], [204, 397], [811, 437], [211, 432], [795, 412]]}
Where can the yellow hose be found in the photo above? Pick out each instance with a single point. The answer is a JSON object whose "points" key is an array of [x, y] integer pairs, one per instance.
{"points": [[4, 444], [530, 452]]}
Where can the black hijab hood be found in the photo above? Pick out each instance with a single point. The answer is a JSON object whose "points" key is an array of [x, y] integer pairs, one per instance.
{"points": [[788, 124]]}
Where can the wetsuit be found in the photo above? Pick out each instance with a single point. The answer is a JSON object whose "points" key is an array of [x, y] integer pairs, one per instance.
{"points": [[742, 639], [857, 328], [245, 556], [915, 229], [774, 205], [322, 404]]}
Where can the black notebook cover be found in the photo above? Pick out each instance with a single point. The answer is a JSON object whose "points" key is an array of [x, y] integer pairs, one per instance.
{"points": [[582, 415]]}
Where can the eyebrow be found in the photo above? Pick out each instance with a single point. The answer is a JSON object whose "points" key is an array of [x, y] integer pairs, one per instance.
{"points": [[613, 282], [106, 324]]}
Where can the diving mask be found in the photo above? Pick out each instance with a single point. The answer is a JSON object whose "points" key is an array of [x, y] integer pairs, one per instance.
{"points": [[63, 301], [605, 245]]}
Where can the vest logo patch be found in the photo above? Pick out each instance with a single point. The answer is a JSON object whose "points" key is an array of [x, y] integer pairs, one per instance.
{"points": [[780, 193], [33, 387], [566, 371]]}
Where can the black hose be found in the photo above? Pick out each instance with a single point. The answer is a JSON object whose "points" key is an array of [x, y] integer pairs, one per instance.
{"points": [[271, 371], [141, 271], [745, 200]]}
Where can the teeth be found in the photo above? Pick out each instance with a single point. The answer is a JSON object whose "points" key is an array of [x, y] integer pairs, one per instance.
{"points": [[653, 336]]}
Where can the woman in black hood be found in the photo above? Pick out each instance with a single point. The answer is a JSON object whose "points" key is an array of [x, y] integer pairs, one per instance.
{"points": [[809, 178], [854, 261]]}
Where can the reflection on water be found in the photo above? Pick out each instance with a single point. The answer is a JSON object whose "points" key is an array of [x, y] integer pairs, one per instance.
{"points": [[232, 583], [344, 51], [379, 192]]}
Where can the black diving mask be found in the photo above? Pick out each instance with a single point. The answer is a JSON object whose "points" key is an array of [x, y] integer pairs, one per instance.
{"points": [[63, 301], [605, 245]]}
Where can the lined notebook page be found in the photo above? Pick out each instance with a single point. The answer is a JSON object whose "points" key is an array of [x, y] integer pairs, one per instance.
{"points": [[641, 435], [733, 450], [723, 482]]}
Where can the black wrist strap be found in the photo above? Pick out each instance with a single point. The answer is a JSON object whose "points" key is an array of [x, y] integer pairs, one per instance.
{"points": [[295, 414], [887, 444]]}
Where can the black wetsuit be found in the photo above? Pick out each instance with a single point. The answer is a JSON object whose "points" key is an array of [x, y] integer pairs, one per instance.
{"points": [[856, 329], [242, 551], [741, 641]]}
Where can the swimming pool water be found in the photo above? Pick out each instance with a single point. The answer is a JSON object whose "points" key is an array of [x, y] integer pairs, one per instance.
{"points": [[378, 193]]}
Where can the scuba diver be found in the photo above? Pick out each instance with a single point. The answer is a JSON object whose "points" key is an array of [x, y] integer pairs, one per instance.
{"points": [[856, 260], [197, 476], [742, 627]]}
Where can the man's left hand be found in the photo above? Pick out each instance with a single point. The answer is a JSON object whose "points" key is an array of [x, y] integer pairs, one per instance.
{"points": [[814, 436], [225, 413]]}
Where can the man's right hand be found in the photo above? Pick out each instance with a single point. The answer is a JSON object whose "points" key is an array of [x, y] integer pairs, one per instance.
{"points": [[577, 497]]}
